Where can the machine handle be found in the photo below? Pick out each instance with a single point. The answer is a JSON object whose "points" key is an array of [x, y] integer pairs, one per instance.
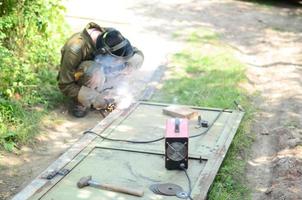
{"points": [[177, 124]]}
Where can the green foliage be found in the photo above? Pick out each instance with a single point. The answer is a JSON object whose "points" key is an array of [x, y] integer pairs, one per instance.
{"points": [[31, 33], [207, 74]]}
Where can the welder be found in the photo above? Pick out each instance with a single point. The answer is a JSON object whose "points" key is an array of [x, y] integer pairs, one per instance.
{"points": [[88, 59]]}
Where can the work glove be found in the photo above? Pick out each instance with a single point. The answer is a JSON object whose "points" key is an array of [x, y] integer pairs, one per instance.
{"points": [[89, 97], [90, 74]]}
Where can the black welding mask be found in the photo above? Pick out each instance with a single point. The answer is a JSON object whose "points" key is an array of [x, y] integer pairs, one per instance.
{"points": [[112, 42]]}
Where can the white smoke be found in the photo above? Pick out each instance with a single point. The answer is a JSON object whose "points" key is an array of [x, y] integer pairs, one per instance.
{"points": [[117, 78]]}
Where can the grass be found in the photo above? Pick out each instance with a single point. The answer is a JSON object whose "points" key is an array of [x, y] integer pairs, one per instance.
{"points": [[28, 87], [207, 74], [31, 35], [20, 116]]}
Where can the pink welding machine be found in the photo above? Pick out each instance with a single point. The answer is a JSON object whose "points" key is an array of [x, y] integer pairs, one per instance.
{"points": [[176, 143]]}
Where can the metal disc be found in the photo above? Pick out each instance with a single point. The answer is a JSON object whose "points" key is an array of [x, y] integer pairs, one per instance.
{"points": [[154, 189], [169, 189]]}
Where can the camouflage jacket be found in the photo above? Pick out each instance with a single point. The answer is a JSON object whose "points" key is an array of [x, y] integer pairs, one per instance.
{"points": [[77, 49]]}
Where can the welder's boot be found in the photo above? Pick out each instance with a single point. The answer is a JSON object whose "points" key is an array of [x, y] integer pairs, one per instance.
{"points": [[77, 109]]}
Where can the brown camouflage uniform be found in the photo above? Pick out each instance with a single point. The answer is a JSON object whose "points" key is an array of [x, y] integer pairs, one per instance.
{"points": [[77, 49]]}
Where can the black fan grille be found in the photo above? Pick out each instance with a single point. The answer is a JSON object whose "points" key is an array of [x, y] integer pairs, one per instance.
{"points": [[176, 151]]}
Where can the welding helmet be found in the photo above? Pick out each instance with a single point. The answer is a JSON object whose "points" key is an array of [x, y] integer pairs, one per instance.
{"points": [[113, 42], [113, 65]]}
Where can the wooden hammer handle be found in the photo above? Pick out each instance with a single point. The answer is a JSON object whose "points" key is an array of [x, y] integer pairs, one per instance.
{"points": [[126, 190]]}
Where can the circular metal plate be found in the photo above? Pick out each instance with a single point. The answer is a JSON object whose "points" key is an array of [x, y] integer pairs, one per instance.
{"points": [[154, 188], [169, 189]]}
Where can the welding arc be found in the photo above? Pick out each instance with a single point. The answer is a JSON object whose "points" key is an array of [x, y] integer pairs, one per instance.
{"points": [[155, 140]]}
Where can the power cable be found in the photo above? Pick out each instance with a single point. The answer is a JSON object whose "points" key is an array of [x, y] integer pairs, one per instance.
{"points": [[121, 140], [182, 166]]}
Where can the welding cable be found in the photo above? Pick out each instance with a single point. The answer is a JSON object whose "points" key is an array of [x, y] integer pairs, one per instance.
{"points": [[210, 126], [121, 140], [157, 139], [189, 180]]}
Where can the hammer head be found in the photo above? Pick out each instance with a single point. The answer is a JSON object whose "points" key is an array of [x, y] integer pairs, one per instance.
{"points": [[84, 181]]}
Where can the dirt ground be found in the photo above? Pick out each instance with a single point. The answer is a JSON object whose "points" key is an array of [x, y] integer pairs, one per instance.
{"points": [[267, 38]]}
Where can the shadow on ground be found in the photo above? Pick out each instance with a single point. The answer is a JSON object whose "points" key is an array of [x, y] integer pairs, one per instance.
{"points": [[58, 131], [241, 24], [268, 38], [277, 3]]}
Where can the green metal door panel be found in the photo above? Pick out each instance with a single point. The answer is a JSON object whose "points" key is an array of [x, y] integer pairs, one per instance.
{"points": [[147, 123], [140, 165], [121, 168]]}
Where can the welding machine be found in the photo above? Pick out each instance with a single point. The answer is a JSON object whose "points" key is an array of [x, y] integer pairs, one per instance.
{"points": [[176, 143]]}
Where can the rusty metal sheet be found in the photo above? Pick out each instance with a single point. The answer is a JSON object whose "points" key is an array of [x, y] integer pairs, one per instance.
{"points": [[140, 165]]}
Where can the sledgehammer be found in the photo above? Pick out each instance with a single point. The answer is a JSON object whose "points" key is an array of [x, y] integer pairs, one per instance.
{"points": [[88, 181]]}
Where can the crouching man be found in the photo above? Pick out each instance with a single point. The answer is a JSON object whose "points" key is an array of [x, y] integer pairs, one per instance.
{"points": [[89, 60]]}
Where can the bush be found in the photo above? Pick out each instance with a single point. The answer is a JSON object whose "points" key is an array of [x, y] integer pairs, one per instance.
{"points": [[31, 33]]}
